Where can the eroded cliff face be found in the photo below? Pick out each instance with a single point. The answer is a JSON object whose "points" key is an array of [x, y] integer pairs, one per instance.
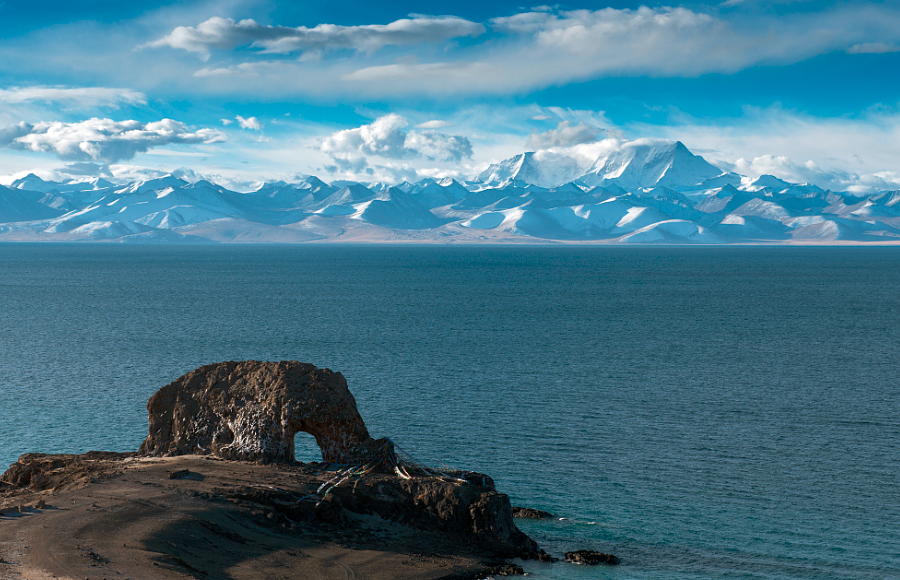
{"points": [[251, 411]]}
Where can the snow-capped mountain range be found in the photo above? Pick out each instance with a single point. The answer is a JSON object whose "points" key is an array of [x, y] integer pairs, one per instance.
{"points": [[640, 192]]}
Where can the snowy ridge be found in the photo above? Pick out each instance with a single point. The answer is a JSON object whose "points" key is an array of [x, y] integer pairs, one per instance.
{"points": [[641, 192]]}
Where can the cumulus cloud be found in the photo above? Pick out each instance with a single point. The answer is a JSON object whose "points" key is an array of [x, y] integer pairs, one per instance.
{"points": [[251, 123], [565, 135], [226, 33], [102, 140], [72, 97], [387, 137]]}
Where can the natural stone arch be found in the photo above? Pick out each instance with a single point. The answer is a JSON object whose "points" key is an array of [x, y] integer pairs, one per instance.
{"points": [[251, 411]]}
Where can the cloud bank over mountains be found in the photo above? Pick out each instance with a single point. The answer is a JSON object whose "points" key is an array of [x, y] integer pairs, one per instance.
{"points": [[242, 91], [102, 140]]}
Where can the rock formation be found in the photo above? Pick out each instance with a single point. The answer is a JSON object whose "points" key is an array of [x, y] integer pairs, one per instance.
{"points": [[251, 411], [591, 558], [531, 513]]}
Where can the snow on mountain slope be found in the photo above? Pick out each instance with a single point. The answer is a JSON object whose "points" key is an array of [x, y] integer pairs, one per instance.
{"points": [[432, 195], [51, 199], [672, 232], [750, 227], [846, 229], [152, 185], [764, 182], [32, 182], [161, 208], [543, 168], [719, 181], [305, 194], [605, 220], [648, 163], [398, 210], [761, 208], [23, 206], [342, 200]]}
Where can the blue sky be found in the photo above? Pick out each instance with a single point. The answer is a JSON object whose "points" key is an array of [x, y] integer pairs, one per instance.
{"points": [[243, 90]]}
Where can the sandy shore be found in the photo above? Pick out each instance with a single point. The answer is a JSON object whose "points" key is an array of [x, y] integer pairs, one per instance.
{"points": [[127, 518]]}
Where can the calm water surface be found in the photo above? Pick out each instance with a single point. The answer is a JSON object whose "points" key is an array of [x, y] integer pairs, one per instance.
{"points": [[703, 413]]}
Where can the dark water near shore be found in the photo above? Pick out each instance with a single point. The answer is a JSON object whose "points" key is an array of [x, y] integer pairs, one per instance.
{"points": [[701, 412]]}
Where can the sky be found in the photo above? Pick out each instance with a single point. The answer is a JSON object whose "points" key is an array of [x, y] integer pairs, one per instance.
{"points": [[240, 91]]}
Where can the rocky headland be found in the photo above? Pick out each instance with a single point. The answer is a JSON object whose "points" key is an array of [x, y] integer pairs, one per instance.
{"points": [[214, 492]]}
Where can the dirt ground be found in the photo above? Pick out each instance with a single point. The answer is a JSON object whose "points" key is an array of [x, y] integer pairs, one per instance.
{"points": [[201, 517]]}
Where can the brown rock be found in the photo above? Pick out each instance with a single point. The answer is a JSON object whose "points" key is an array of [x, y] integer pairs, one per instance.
{"points": [[475, 513], [251, 411], [507, 570], [40, 471], [531, 513], [591, 558]]}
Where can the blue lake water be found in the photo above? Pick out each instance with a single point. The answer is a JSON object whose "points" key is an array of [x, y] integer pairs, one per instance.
{"points": [[703, 413]]}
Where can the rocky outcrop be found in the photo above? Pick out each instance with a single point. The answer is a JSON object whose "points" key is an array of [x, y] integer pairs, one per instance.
{"points": [[42, 471], [472, 512], [531, 513], [251, 411], [591, 558]]}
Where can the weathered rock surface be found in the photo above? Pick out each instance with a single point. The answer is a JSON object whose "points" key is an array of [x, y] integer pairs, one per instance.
{"points": [[251, 411], [474, 513], [590, 558], [40, 471], [531, 513]]}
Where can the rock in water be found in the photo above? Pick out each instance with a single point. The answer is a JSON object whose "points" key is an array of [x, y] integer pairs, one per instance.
{"points": [[590, 558], [251, 411], [531, 513]]}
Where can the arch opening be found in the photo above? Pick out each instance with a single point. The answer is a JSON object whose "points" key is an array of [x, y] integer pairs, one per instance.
{"points": [[306, 449]]}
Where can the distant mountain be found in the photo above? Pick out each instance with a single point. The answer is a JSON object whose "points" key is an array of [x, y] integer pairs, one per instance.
{"points": [[651, 164], [646, 192], [541, 169], [22, 206], [32, 182]]}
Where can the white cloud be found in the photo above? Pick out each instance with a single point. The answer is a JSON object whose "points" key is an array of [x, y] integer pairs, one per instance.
{"points": [[439, 146], [226, 122], [536, 49], [809, 172], [251, 123], [72, 97], [386, 137], [102, 140], [565, 135], [225, 33], [873, 48], [525, 51], [434, 124]]}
